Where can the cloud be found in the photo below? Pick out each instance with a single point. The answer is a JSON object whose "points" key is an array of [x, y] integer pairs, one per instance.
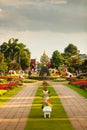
{"points": [[12, 2], [78, 2], [52, 15], [42, 2]]}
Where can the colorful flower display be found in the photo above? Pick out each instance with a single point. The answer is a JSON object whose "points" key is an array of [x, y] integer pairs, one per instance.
{"points": [[80, 83], [7, 86]]}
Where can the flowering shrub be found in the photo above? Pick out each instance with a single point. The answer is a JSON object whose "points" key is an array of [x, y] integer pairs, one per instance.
{"points": [[13, 82], [6, 77], [80, 83], [8, 86]]}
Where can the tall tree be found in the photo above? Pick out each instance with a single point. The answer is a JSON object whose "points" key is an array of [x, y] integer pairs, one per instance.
{"points": [[57, 59], [25, 59], [84, 66], [13, 52], [71, 56], [74, 63], [1, 57], [9, 49], [3, 66], [71, 50]]}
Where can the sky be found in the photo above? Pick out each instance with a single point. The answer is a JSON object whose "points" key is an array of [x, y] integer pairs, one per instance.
{"points": [[45, 25]]}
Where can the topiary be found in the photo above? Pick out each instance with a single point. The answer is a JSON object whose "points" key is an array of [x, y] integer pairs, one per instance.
{"points": [[44, 71]]}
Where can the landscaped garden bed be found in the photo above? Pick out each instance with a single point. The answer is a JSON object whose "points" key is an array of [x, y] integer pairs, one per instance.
{"points": [[9, 82], [80, 83], [11, 77], [9, 87], [6, 96]]}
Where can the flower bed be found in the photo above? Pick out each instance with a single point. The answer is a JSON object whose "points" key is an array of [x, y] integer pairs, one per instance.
{"points": [[8, 86], [11, 81], [80, 83], [6, 77]]}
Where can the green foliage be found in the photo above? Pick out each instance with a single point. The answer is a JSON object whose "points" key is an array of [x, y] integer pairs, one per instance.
{"points": [[41, 77], [71, 56], [14, 65], [15, 53], [82, 76], [2, 92], [59, 79], [39, 65], [3, 80], [84, 66], [71, 49], [45, 83], [1, 57], [44, 70], [3, 65], [57, 59], [29, 81], [71, 69], [25, 59]]}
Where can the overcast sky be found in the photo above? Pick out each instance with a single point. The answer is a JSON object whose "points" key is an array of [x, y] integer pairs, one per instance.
{"points": [[44, 25]]}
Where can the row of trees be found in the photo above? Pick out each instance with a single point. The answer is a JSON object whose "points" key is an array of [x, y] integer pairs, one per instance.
{"points": [[69, 58], [14, 55]]}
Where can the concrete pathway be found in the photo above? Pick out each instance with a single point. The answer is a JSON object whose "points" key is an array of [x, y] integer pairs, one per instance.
{"points": [[74, 105], [13, 115]]}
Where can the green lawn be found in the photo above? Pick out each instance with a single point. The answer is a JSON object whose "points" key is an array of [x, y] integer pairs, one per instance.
{"points": [[82, 92], [2, 92], [59, 79], [9, 94], [58, 120]]}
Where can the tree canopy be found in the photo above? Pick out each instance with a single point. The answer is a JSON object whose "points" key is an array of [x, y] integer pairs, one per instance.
{"points": [[57, 59], [71, 50], [16, 54]]}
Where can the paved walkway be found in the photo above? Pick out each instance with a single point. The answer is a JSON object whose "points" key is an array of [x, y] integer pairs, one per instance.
{"points": [[13, 115], [74, 104]]}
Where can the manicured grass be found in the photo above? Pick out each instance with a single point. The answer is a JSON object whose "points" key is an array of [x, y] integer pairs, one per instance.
{"points": [[58, 120], [29, 80], [82, 92], [9, 94], [59, 79], [2, 92]]}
